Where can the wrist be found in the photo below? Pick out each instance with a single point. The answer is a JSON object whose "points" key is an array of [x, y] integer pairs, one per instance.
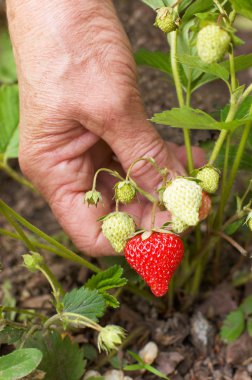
{"points": [[30, 15]]}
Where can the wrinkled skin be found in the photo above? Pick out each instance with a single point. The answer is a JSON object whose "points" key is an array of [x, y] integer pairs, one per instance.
{"points": [[80, 107]]}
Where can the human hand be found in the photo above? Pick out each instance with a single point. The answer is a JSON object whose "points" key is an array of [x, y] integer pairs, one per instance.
{"points": [[80, 107]]}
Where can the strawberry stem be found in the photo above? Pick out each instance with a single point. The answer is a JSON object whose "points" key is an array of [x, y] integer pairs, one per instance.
{"points": [[150, 160], [117, 206], [111, 172], [221, 9], [153, 214]]}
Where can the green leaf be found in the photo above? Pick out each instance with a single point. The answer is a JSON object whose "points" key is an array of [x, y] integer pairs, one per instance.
{"points": [[129, 273], [197, 6], [106, 280], [83, 301], [155, 371], [136, 357], [242, 62], [62, 359], [242, 112], [244, 7], [133, 367], [195, 62], [233, 326], [90, 352], [232, 228], [246, 306], [190, 118], [154, 4], [9, 117], [184, 118], [183, 4], [8, 299], [249, 326], [10, 335], [143, 365], [110, 300], [154, 59], [7, 64], [19, 363]]}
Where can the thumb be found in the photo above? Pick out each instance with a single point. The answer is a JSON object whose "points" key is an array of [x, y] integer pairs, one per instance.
{"points": [[135, 137]]}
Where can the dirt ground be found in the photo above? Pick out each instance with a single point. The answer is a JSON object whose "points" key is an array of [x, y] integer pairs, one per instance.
{"points": [[189, 344]]}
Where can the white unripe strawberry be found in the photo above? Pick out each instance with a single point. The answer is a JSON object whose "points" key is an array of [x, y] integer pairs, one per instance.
{"points": [[117, 227], [212, 43], [209, 177], [183, 198], [178, 226]]}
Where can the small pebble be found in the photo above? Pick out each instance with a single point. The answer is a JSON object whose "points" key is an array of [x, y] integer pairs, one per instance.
{"points": [[249, 368], [114, 374], [202, 333], [90, 374], [149, 353]]}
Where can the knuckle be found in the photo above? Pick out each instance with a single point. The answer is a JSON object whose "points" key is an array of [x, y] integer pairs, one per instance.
{"points": [[154, 149]]}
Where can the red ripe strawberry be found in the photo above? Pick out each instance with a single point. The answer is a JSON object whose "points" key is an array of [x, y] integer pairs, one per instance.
{"points": [[155, 258], [205, 206]]}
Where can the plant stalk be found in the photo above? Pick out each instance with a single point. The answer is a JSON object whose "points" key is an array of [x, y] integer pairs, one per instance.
{"points": [[16, 176], [180, 96]]}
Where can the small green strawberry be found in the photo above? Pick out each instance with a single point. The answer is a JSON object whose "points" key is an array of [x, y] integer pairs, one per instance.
{"points": [[92, 197], [166, 20], [212, 43], [183, 198], [124, 192], [209, 177], [117, 227]]}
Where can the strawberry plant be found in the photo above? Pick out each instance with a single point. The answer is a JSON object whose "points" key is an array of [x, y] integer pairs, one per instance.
{"points": [[202, 40], [206, 209]]}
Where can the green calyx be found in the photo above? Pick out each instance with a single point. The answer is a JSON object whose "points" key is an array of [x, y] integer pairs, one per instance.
{"points": [[167, 19], [124, 192], [33, 261], [92, 197], [110, 338]]}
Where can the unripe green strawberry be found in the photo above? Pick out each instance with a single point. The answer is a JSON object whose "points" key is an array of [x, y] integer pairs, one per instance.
{"points": [[117, 227], [183, 198], [209, 177], [212, 43], [178, 226], [124, 192], [166, 20]]}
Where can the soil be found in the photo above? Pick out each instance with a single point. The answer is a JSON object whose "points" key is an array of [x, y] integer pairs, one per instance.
{"points": [[189, 345]]}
